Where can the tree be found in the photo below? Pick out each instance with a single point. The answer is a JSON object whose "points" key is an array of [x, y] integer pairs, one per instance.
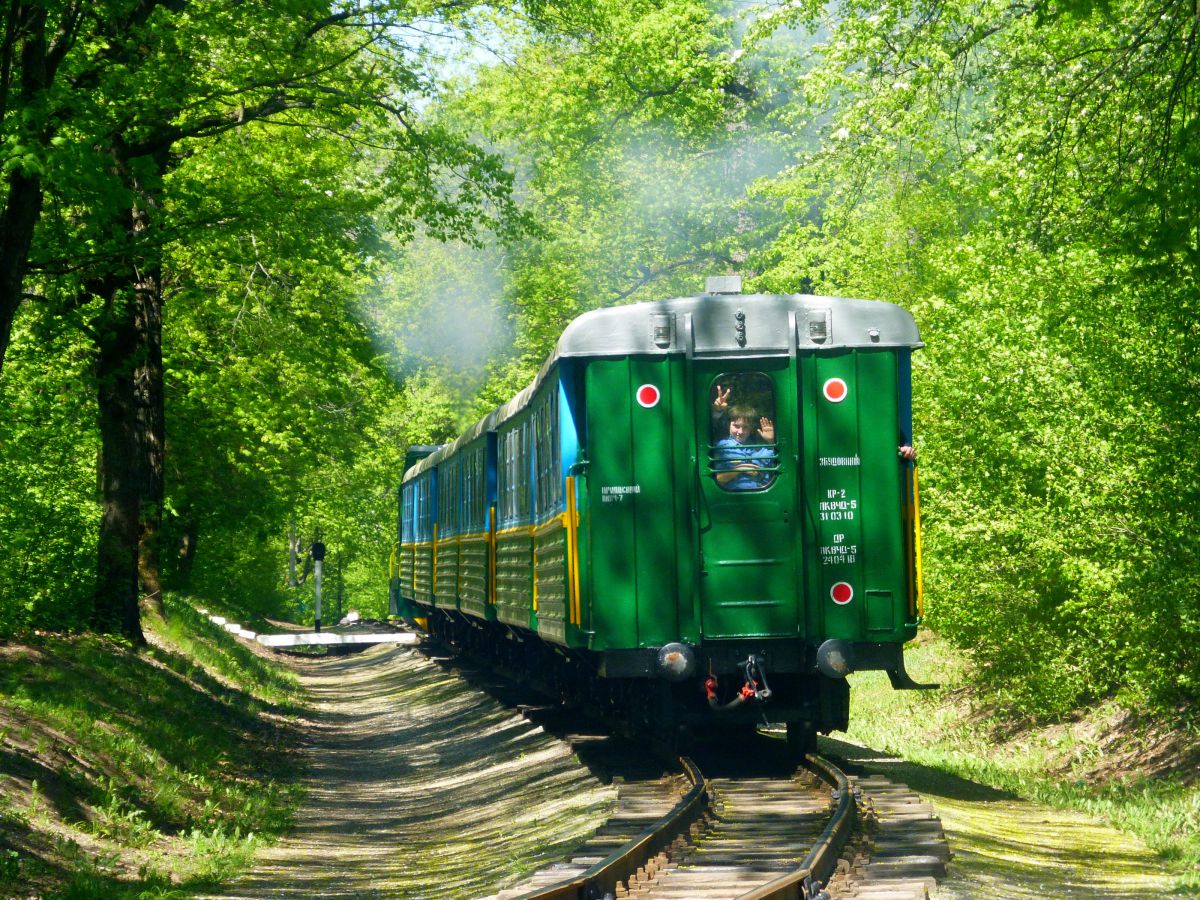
{"points": [[1021, 177], [624, 124], [103, 147]]}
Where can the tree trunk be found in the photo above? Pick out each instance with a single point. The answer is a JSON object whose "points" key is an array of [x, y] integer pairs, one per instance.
{"points": [[22, 208], [23, 203], [151, 426], [116, 606], [132, 427], [187, 548]]}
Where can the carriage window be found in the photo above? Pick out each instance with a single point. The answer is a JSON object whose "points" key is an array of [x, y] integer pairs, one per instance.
{"points": [[474, 489], [424, 523], [514, 468], [448, 490], [509, 476], [547, 456], [741, 450], [407, 500]]}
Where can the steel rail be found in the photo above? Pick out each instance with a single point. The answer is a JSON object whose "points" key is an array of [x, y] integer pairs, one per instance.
{"points": [[622, 865], [807, 882]]}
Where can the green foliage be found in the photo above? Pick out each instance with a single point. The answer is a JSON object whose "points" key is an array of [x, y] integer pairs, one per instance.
{"points": [[1005, 176], [48, 518], [1025, 513], [256, 154]]}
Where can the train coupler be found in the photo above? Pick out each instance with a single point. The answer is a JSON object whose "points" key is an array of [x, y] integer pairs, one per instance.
{"points": [[756, 673], [754, 688]]}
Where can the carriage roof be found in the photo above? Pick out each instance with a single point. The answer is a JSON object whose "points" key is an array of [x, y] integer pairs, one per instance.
{"points": [[705, 326]]}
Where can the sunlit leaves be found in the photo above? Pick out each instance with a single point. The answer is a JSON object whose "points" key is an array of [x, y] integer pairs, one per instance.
{"points": [[1019, 178], [48, 481], [276, 149]]}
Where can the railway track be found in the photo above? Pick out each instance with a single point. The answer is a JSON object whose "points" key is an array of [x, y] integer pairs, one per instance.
{"points": [[654, 808], [685, 835], [767, 837], [901, 851], [741, 820], [759, 829]]}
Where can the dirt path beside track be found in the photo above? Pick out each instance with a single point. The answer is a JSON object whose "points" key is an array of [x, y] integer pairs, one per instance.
{"points": [[419, 786]]}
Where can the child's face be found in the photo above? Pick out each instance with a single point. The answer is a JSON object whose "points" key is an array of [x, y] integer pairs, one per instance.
{"points": [[741, 429]]}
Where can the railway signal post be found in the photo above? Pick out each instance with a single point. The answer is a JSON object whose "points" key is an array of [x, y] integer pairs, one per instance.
{"points": [[318, 555]]}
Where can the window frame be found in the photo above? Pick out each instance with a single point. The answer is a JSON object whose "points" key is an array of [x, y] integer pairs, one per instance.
{"points": [[718, 433]]}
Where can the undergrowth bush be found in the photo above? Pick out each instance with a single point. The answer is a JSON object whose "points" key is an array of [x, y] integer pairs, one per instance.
{"points": [[1051, 551], [49, 517]]}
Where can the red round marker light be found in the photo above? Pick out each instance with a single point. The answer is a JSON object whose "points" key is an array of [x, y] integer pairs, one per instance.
{"points": [[841, 593], [648, 396], [835, 390]]}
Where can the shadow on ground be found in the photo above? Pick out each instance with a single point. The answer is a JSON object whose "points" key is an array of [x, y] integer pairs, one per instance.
{"points": [[1011, 849], [934, 782]]}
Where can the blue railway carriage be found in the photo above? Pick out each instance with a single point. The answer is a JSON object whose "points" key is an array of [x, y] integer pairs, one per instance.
{"points": [[696, 514]]}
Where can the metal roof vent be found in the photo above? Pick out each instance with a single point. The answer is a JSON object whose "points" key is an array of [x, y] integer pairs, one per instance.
{"points": [[662, 329], [723, 284]]}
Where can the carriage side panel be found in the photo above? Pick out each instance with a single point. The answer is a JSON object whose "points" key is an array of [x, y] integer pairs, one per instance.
{"points": [[449, 485], [475, 547], [425, 534], [407, 539], [550, 533], [633, 499], [855, 544]]}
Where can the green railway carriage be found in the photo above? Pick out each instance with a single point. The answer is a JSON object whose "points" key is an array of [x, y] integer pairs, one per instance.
{"points": [[696, 512]]}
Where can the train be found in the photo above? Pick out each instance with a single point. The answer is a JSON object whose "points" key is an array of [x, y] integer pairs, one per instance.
{"points": [[700, 516]]}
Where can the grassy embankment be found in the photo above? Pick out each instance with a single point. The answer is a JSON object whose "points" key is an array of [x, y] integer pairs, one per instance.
{"points": [[1140, 777], [152, 774]]}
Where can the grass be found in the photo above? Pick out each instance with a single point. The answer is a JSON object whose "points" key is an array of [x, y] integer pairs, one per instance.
{"points": [[201, 647], [139, 774], [1067, 766]]}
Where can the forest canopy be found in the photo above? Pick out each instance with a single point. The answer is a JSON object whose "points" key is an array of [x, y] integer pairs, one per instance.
{"points": [[250, 253]]}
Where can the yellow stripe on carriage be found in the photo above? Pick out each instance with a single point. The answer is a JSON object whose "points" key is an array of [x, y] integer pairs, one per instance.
{"points": [[573, 549], [559, 521], [491, 555], [917, 545], [523, 530]]}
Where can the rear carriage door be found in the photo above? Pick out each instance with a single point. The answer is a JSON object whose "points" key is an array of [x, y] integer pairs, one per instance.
{"points": [[746, 485]]}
